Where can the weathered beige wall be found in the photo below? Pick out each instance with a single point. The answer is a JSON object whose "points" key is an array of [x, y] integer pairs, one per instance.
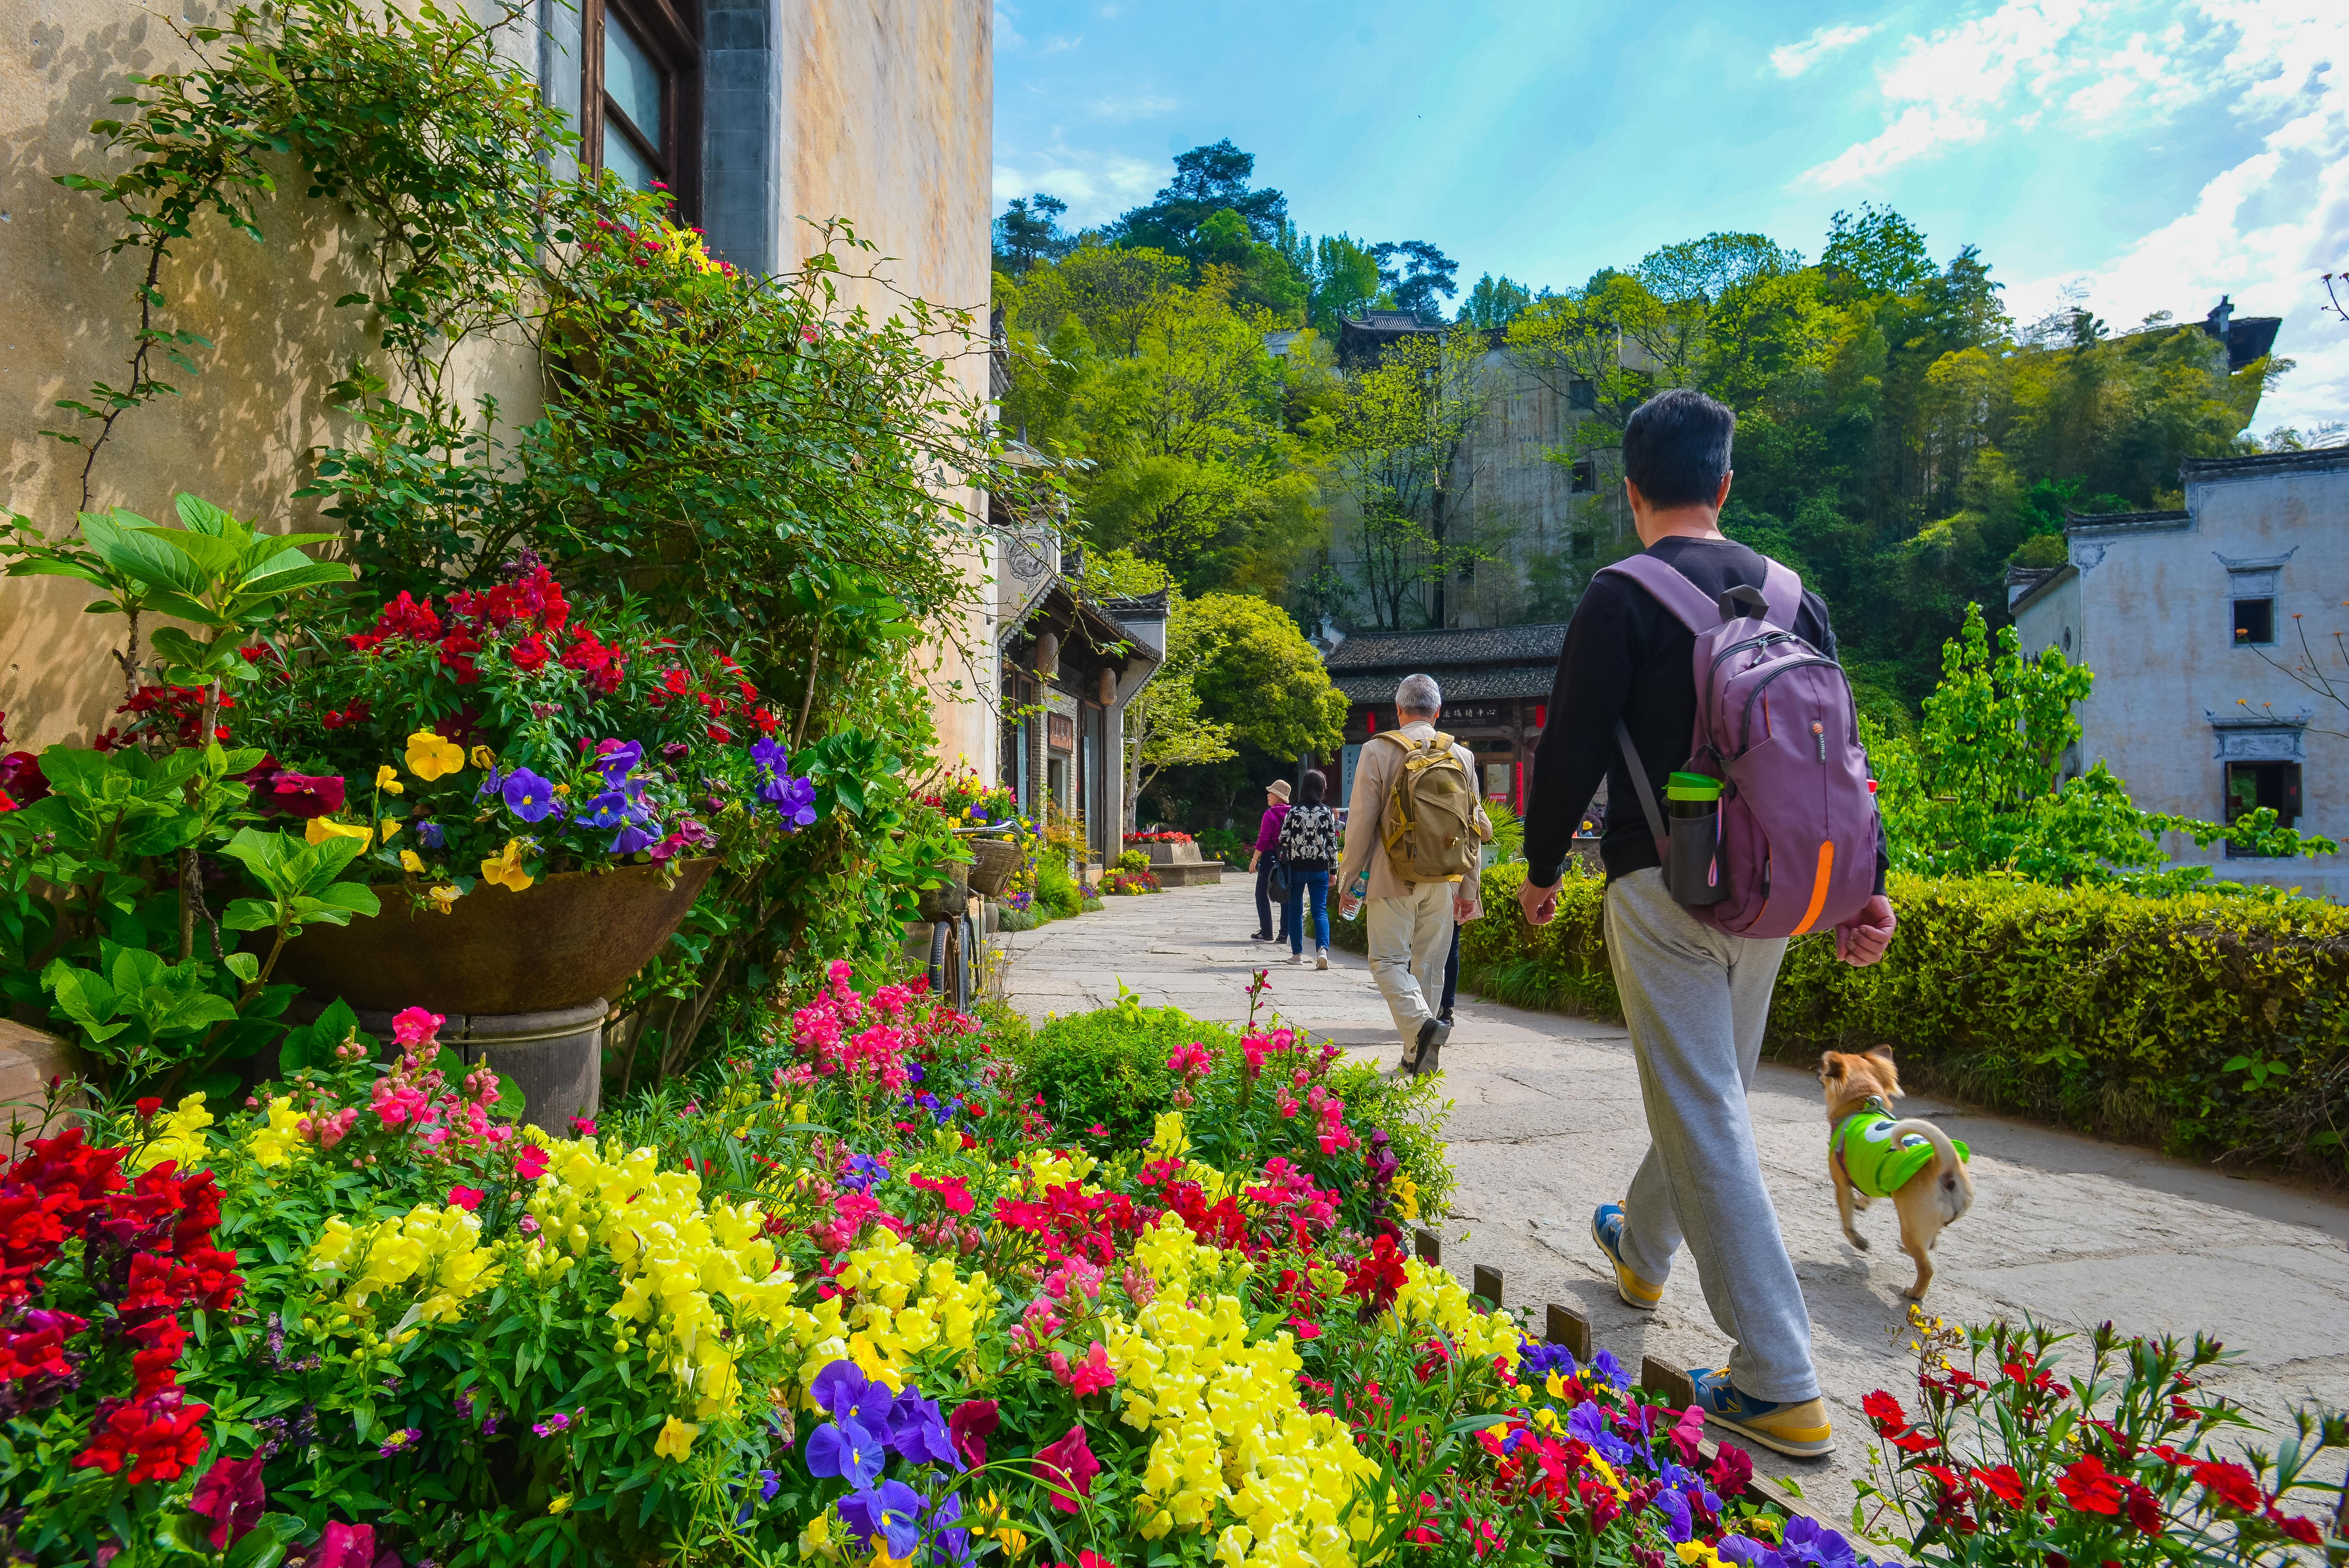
{"points": [[240, 433], [885, 117], [888, 120]]}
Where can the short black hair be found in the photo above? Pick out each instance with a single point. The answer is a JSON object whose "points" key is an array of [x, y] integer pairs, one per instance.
{"points": [[1311, 788], [1676, 448]]}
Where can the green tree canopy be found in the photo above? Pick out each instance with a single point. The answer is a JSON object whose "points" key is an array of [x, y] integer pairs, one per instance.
{"points": [[1257, 673]]}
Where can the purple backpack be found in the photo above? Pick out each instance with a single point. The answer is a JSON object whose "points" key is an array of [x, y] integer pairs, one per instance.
{"points": [[1790, 845]]}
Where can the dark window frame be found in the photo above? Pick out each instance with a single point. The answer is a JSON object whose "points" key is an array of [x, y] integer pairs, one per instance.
{"points": [[2286, 796], [1582, 395], [667, 30], [1582, 477], [2264, 620]]}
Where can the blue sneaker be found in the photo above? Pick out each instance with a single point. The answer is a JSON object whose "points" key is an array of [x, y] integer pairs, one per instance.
{"points": [[1800, 1430], [1607, 1229]]}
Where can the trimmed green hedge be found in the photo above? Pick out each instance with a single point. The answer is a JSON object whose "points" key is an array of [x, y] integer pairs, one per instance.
{"points": [[2202, 1025]]}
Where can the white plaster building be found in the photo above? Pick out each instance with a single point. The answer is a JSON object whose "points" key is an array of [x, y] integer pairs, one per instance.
{"points": [[2184, 617]]}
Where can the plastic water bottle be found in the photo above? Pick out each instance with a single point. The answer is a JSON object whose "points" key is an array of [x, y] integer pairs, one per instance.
{"points": [[1361, 883]]}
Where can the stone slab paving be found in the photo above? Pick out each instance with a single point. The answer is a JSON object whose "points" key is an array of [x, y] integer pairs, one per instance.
{"points": [[1544, 1123]]}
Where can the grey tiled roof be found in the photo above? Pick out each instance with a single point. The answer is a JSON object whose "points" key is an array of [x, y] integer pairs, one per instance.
{"points": [[1405, 652], [1378, 686]]}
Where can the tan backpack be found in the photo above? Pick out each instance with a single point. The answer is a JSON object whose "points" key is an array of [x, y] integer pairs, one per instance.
{"points": [[1432, 827]]}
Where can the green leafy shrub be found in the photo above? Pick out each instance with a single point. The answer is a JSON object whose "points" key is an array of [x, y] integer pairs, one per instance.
{"points": [[1107, 1068], [1133, 861], [1057, 893], [2198, 1022]]}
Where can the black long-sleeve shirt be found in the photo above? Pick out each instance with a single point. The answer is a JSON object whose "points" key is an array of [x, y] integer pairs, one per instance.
{"points": [[1627, 657]]}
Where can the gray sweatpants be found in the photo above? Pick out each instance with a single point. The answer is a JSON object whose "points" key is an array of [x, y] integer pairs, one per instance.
{"points": [[1696, 1000]]}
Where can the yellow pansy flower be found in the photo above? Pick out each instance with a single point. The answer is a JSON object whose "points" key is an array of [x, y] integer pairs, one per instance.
{"points": [[321, 829], [444, 898], [387, 778], [484, 757], [557, 1504], [433, 756], [675, 1439], [411, 862], [505, 868]]}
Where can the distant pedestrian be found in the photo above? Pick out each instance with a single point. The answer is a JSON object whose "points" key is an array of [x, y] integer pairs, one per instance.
{"points": [[1266, 856], [1696, 998], [1309, 850], [1414, 832]]}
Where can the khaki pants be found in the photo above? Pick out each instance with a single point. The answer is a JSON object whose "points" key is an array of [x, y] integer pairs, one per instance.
{"points": [[1409, 939]]}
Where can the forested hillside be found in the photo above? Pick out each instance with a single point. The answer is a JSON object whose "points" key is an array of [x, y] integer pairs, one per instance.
{"points": [[1902, 439]]}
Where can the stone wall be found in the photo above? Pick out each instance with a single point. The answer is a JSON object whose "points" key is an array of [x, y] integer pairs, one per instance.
{"points": [[2151, 612], [877, 110]]}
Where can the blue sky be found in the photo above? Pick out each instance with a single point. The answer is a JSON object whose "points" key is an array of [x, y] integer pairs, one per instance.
{"points": [[2141, 154]]}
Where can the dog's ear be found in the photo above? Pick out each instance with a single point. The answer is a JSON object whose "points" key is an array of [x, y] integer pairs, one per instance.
{"points": [[1831, 1068], [1882, 1055]]}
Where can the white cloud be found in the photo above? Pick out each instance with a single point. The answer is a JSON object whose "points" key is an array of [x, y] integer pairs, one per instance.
{"points": [[1096, 185], [1131, 106], [1794, 59], [2265, 229], [1940, 90]]}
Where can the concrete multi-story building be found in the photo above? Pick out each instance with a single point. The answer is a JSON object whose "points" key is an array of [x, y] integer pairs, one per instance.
{"points": [[755, 113], [2216, 635]]}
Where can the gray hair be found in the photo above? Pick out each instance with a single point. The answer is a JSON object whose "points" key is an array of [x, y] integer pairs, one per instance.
{"points": [[1419, 694]]}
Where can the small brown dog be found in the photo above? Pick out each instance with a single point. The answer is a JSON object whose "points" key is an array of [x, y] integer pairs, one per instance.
{"points": [[1871, 1154]]}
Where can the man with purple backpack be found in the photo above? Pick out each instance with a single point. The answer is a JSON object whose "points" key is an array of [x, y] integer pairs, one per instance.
{"points": [[1699, 680]]}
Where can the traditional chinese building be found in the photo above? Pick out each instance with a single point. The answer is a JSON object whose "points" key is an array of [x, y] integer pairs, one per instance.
{"points": [[1496, 682], [1069, 665]]}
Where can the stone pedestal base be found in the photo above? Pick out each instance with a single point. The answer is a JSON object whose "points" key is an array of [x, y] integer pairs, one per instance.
{"points": [[557, 1058], [1196, 874], [29, 1058]]}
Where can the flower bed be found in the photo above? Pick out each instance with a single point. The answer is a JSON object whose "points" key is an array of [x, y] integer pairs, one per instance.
{"points": [[1121, 880], [494, 738], [854, 1300], [1163, 836]]}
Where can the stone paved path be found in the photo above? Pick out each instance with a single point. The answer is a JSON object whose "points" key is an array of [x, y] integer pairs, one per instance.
{"points": [[1545, 1123]]}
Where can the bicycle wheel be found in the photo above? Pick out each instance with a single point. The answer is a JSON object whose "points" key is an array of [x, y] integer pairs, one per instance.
{"points": [[960, 955], [940, 941]]}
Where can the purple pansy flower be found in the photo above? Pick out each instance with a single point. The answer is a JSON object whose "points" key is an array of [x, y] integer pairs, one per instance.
{"points": [[529, 797], [429, 833], [636, 838], [616, 759], [918, 1430], [845, 1449], [797, 806], [889, 1512]]}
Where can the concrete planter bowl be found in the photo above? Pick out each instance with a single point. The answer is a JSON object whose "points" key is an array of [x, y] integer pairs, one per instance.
{"points": [[522, 976]]}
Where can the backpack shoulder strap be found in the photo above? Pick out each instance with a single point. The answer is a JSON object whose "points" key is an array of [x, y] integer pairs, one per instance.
{"points": [[1784, 590], [1397, 737], [1443, 742], [1640, 782], [1676, 592]]}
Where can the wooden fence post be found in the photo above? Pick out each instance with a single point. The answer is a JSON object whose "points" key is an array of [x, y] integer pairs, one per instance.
{"points": [[1429, 1246], [1486, 1285], [1570, 1328], [1668, 1384]]}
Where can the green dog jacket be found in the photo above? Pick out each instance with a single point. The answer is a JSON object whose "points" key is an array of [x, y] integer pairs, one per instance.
{"points": [[1878, 1166]]}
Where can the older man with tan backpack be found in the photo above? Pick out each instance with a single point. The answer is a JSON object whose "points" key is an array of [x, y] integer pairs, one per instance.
{"points": [[1415, 827]]}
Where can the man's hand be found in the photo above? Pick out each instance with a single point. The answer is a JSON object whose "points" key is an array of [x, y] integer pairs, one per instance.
{"points": [[1463, 909], [1539, 903], [1346, 904], [1861, 940]]}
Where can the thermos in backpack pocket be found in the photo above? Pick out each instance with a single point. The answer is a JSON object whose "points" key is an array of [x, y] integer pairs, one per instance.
{"points": [[1693, 850]]}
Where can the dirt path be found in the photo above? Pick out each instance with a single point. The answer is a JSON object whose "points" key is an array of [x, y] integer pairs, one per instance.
{"points": [[1545, 1123]]}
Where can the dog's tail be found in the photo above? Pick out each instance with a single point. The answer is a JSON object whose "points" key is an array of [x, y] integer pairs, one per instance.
{"points": [[1953, 1195]]}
